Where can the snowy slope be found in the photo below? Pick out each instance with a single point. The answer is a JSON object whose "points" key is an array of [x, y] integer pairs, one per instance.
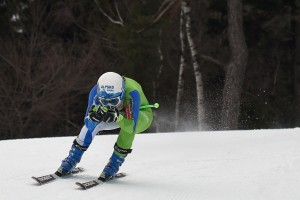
{"points": [[231, 165]]}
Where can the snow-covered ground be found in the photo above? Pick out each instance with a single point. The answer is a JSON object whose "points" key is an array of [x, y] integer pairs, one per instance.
{"points": [[233, 165]]}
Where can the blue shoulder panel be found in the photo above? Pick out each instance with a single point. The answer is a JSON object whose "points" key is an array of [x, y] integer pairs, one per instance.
{"points": [[136, 99], [93, 94]]}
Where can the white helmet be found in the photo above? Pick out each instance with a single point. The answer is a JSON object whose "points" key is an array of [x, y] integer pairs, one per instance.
{"points": [[110, 89]]}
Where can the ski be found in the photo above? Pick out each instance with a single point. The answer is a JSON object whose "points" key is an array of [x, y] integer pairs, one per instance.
{"points": [[41, 180], [90, 184]]}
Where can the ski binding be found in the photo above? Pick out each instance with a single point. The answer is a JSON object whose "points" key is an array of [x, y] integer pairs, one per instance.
{"points": [[51, 177], [90, 184]]}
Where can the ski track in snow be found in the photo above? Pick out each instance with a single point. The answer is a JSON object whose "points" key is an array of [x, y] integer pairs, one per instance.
{"points": [[233, 165]]}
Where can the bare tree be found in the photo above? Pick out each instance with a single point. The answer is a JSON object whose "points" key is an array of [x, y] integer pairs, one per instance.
{"points": [[197, 72], [156, 80], [40, 84], [42, 79], [297, 91], [180, 83], [235, 70], [297, 71], [185, 30]]}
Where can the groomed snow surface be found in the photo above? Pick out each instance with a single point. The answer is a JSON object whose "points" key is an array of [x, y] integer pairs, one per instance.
{"points": [[231, 165]]}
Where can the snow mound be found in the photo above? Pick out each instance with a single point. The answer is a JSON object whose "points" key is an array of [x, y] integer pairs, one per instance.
{"points": [[233, 165]]}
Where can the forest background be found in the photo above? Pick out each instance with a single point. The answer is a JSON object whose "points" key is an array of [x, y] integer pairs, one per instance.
{"points": [[210, 64]]}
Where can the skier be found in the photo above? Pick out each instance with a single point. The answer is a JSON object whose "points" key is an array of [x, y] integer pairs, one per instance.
{"points": [[114, 102]]}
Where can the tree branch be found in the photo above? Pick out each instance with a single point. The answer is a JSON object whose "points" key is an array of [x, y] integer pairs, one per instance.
{"points": [[162, 10], [211, 59], [106, 15], [7, 61], [117, 9]]}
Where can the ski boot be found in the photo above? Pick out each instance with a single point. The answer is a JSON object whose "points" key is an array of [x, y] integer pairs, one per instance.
{"points": [[70, 162], [112, 167]]}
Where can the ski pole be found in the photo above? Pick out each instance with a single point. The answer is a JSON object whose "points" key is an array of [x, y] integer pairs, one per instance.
{"points": [[156, 105]]}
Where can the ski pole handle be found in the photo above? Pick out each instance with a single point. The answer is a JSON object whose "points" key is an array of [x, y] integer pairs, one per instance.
{"points": [[156, 105]]}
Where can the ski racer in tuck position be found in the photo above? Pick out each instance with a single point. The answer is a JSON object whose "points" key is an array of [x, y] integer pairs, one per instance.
{"points": [[114, 102]]}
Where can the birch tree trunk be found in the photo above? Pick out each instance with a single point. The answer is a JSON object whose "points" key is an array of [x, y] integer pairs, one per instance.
{"points": [[235, 70], [156, 80], [180, 84], [197, 73]]}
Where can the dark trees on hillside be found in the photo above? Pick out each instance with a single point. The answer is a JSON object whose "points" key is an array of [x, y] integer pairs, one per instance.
{"points": [[44, 73], [296, 28], [52, 53]]}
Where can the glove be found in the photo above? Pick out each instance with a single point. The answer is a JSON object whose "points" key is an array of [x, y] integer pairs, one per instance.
{"points": [[95, 114], [98, 114], [111, 115]]}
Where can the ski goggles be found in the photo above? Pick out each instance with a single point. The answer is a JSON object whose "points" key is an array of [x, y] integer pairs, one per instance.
{"points": [[110, 101]]}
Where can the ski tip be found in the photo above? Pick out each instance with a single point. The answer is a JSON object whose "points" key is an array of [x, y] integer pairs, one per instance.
{"points": [[81, 186], [37, 180], [77, 170], [81, 169], [120, 175]]}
